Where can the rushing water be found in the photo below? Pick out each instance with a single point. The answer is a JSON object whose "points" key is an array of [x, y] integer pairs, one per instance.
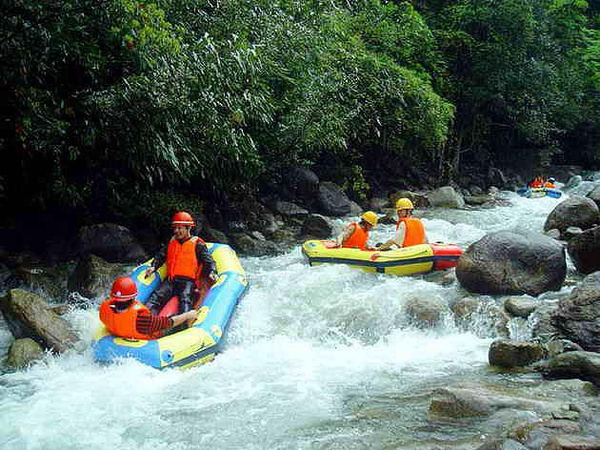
{"points": [[315, 358]]}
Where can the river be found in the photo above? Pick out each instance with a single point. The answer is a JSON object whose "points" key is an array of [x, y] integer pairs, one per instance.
{"points": [[315, 358]]}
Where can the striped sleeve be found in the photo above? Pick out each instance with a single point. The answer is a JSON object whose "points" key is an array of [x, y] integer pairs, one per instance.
{"points": [[148, 323]]}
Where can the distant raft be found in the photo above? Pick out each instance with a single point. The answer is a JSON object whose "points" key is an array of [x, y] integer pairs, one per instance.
{"points": [[191, 346], [421, 258], [539, 192]]}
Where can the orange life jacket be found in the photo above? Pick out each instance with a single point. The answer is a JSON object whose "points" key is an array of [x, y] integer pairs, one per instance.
{"points": [[415, 231], [182, 260], [547, 184], [123, 323], [358, 239]]}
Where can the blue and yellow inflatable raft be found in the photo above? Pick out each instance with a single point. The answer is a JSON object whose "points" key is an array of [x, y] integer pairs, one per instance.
{"points": [[530, 192], [191, 346]]}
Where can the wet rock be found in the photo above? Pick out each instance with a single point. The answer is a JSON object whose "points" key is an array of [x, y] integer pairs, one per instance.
{"points": [[478, 401], [535, 435], [477, 200], [571, 442], [377, 204], [542, 326], [318, 226], [505, 353], [355, 209], [581, 365], [247, 245], [578, 315], [521, 307], [23, 352], [502, 444], [446, 197], [92, 276], [595, 195], [289, 209], [301, 183], [584, 250], [464, 309], [332, 201], [573, 182], [496, 177], [216, 236], [509, 263], [28, 315], [583, 188], [111, 242], [575, 211], [553, 233], [558, 346], [425, 311]]}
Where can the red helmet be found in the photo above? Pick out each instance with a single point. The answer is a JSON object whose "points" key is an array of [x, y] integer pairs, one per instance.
{"points": [[182, 218], [123, 289]]}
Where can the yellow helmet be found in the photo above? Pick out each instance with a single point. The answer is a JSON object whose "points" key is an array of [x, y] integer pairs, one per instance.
{"points": [[370, 217], [404, 203]]}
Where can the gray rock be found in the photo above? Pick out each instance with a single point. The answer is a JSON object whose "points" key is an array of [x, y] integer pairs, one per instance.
{"points": [[419, 200], [582, 365], [595, 195], [446, 197], [289, 209], [558, 346], [332, 201], [93, 275], [318, 226], [572, 442], [28, 315], [301, 182], [573, 182], [520, 307], [247, 245], [584, 250], [505, 353], [541, 320], [216, 236], [111, 242], [508, 263], [23, 352], [553, 233], [355, 209], [425, 311], [477, 401], [578, 315], [575, 211]]}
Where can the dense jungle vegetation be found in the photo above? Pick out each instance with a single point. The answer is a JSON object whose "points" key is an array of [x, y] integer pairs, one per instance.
{"points": [[105, 101]]}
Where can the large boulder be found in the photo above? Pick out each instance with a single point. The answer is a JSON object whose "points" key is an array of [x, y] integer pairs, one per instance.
{"points": [[446, 197], [582, 365], [520, 306], [301, 183], [506, 353], [28, 315], [93, 275], [425, 311], [584, 249], [246, 244], [578, 316], [509, 263], [289, 209], [576, 211], [23, 352], [111, 242], [317, 226], [332, 201]]}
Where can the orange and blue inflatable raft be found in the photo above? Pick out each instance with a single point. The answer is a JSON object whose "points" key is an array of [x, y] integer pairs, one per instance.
{"points": [[194, 345]]}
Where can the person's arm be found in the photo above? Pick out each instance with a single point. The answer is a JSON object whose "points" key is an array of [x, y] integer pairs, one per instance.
{"points": [[397, 240], [159, 260], [148, 323], [344, 235], [208, 263]]}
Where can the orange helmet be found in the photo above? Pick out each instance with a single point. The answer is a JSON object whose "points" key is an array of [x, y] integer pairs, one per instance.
{"points": [[182, 218], [123, 289]]}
